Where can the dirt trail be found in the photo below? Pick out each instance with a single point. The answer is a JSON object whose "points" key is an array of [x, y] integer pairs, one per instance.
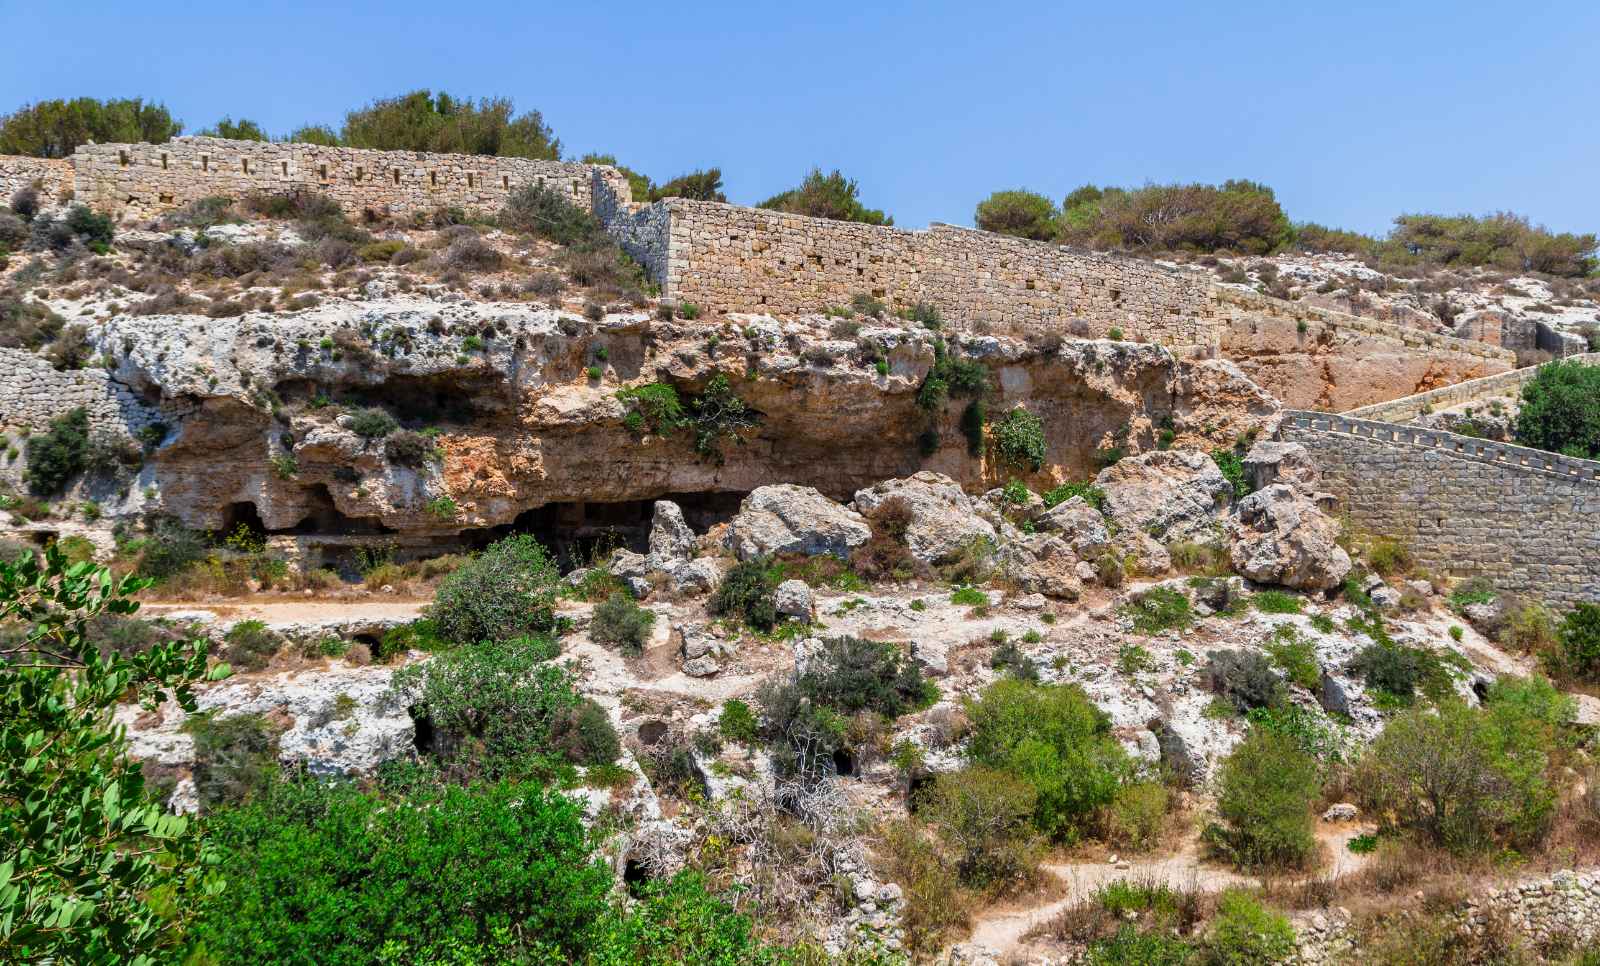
{"points": [[1002, 929], [278, 612]]}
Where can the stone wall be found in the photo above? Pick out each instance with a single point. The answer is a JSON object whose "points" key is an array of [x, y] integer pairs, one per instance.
{"points": [[1562, 909], [1466, 507], [141, 180], [1314, 358], [1409, 408], [731, 258], [53, 175]]}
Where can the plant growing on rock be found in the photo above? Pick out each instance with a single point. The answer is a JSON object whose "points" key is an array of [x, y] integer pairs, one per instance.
{"points": [[507, 591], [1159, 609], [1246, 679], [1019, 440], [746, 592], [372, 423], [57, 455], [620, 622], [850, 674]]}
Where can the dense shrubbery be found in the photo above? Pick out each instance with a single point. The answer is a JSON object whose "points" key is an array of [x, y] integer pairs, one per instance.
{"points": [[507, 591], [746, 592], [336, 875], [1245, 679], [826, 196], [622, 623], [1054, 738], [243, 129], [235, 757], [56, 455], [986, 816], [425, 121], [1266, 788], [1503, 240], [54, 129], [850, 674], [1019, 440], [1578, 637], [1241, 216], [1024, 214], [591, 257], [1464, 778], [1561, 410]]}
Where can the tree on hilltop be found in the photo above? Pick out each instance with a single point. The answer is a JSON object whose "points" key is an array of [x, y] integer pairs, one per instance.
{"points": [[54, 129], [441, 123], [1024, 214], [827, 196]]}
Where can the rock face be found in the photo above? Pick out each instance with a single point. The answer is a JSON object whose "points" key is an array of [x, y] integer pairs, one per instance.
{"points": [[671, 540], [1080, 524], [1281, 537], [1170, 495], [1273, 461], [794, 519], [944, 519], [1042, 563]]}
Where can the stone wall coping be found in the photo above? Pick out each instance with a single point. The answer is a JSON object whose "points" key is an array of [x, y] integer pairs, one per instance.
{"points": [[1451, 444], [1408, 407]]}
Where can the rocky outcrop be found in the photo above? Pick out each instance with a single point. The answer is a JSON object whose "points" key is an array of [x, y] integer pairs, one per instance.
{"points": [[785, 519], [1078, 523], [1280, 537], [1168, 495], [944, 520], [1274, 461]]}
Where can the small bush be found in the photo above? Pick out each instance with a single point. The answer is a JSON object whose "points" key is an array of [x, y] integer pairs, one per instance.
{"points": [[746, 592], [850, 674], [1298, 659], [250, 645], [622, 623], [372, 423], [1579, 637], [584, 735], [826, 196], [1245, 678], [1232, 467], [1388, 556], [737, 722], [985, 815], [1159, 609], [1091, 494], [507, 591], [235, 757], [57, 455], [1265, 791], [934, 908], [406, 448], [1276, 602], [1244, 933], [1010, 658], [1135, 817], [1560, 410], [1019, 439], [1024, 214], [1393, 669], [969, 597]]}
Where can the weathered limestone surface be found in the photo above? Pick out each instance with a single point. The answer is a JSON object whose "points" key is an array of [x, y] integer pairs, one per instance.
{"points": [[53, 176], [1469, 507]]}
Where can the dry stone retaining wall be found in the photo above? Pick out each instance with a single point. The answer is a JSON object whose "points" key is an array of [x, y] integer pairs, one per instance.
{"points": [[1521, 517], [1409, 408], [52, 175], [140, 180]]}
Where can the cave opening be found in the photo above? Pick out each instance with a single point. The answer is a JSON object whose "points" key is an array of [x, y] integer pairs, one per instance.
{"points": [[635, 876], [242, 514], [579, 533], [325, 519], [844, 763], [920, 784], [423, 737]]}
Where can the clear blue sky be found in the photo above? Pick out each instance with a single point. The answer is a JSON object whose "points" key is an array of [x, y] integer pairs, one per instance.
{"points": [[1354, 112]]}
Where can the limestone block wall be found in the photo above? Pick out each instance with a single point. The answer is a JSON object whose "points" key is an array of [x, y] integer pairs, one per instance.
{"points": [[731, 258], [1467, 507], [1409, 408], [53, 175], [141, 180], [32, 393]]}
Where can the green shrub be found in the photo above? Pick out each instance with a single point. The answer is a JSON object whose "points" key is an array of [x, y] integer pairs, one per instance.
{"points": [[737, 722], [1232, 467], [1504, 240], [507, 591], [57, 455], [654, 406], [682, 920], [330, 874], [55, 128], [969, 597], [1395, 669], [1054, 738], [380, 251], [1130, 946], [1009, 657], [1298, 659], [1024, 214], [986, 816], [235, 757], [422, 120], [372, 423], [405, 448], [1276, 602], [492, 708], [94, 229], [1135, 817], [1240, 216], [1092, 495], [1265, 791], [583, 734], [826, 196], [1561, 409], [1159, 609], [168, 548], [1244, 933], [1579, 637], [1460, 777], [746, 592], [1245, 679], [622, 623], [850, 674], [250, 645], [1019, 440]]}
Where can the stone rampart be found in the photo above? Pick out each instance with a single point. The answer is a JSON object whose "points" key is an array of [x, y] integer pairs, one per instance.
{"points": [[140, 180], [1521, 517], [1409, 408], [52, 175]]}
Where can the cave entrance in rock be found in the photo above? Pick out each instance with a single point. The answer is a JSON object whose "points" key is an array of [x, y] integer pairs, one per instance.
{"points": [[324, 518], [242, 514], [579, 533]]}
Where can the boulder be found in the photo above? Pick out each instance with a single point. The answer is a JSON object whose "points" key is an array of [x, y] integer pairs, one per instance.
{"points": [[1385, 598], [1273, 461], [701, 667], [1169, 495], [786, 518], [1175, 754], [1078, 523], [793, 598], [1341, 812], [671, 540], [1041, 563], [1332, 695], [944, 519], [695, 577], [625, 564], [1280, 537]]}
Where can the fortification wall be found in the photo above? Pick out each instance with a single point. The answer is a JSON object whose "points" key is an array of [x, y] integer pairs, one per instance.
{"points": [[1467, 507], [32, 393], [53, 175], [731, 258], [1313, 358], [141, 180], [1409, 408]]}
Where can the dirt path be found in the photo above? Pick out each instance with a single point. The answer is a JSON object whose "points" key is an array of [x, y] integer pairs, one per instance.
{"points": [[1002, 929], [279, 612]]}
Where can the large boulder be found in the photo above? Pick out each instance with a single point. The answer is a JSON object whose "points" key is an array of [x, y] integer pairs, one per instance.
{"points": [[1280, 537], [1170, 495], [786, 518], [671, 540], [1080, 524], [793, 598], [944, 519], [1041, 563], [1274, 461]]}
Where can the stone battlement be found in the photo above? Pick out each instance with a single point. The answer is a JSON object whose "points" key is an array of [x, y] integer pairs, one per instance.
{"points": [[1410, 407]]}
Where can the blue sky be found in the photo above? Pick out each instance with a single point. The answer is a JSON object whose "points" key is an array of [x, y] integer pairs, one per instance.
{"points": [[1354, 112]]}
